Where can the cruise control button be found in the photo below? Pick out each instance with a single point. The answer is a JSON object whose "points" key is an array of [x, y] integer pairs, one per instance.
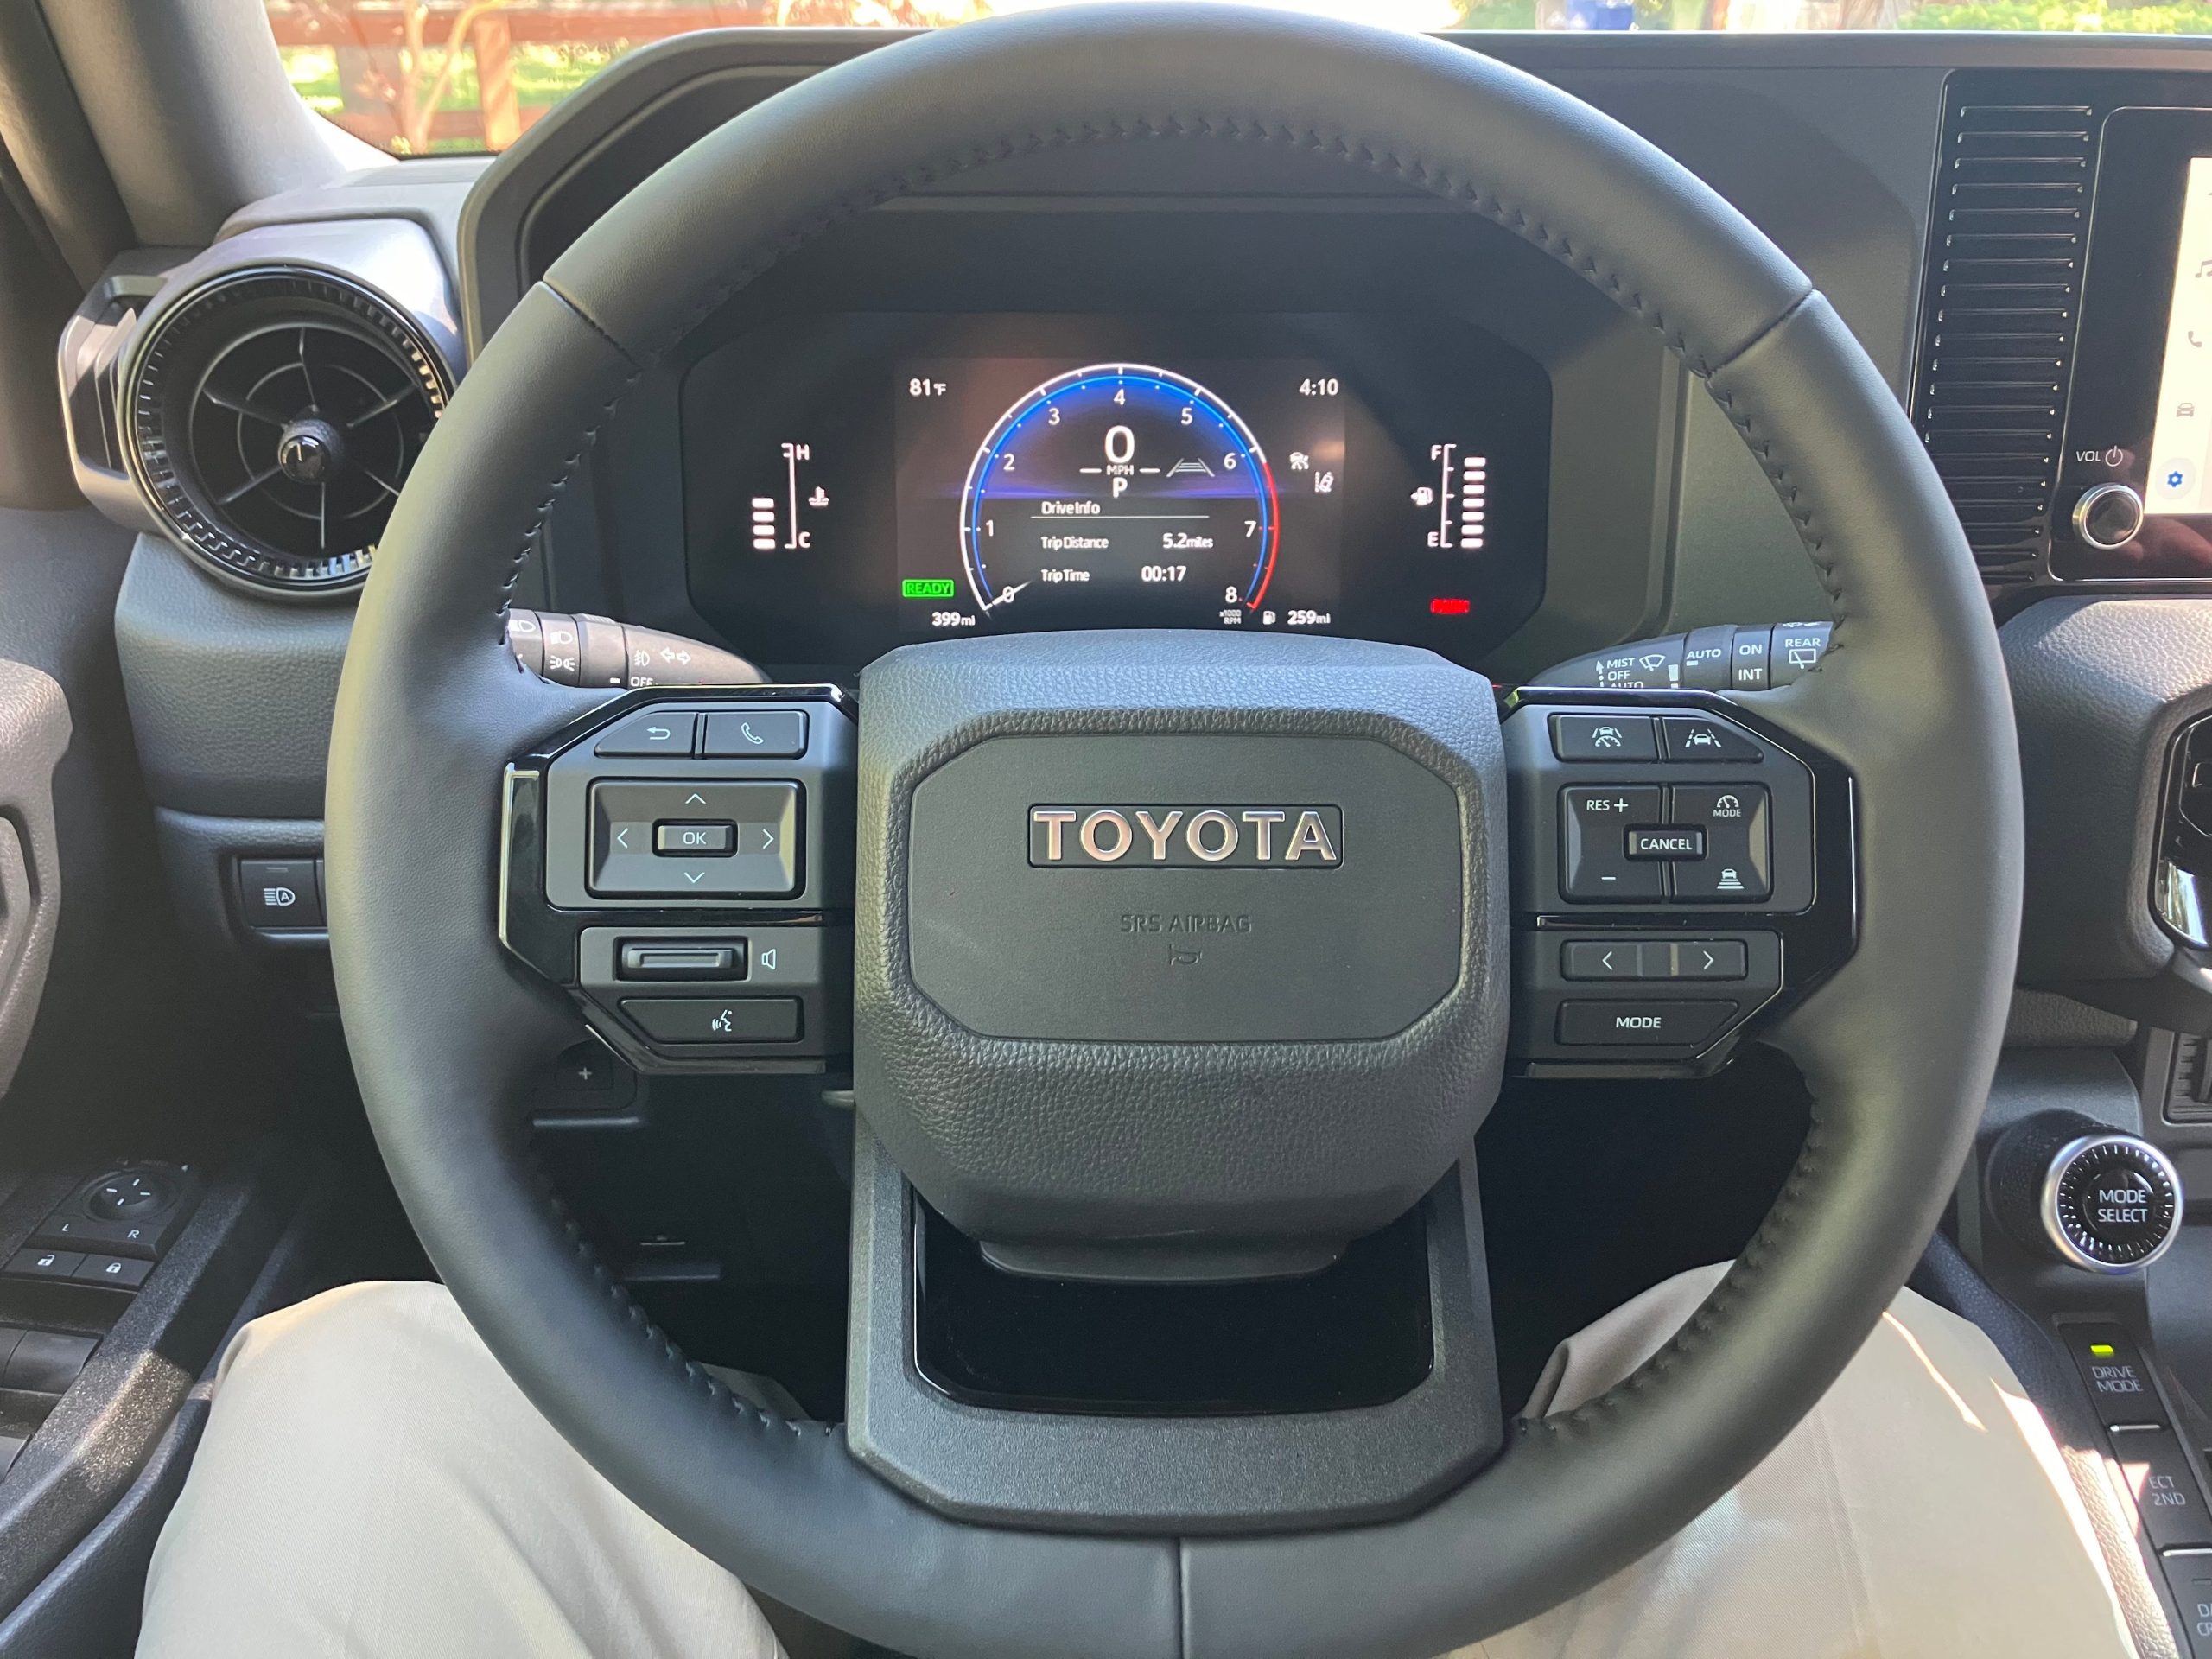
{"points": [[1594, 865], [1644, 1023], [1737, 867], [1603, 737], [708, 1020], [1667, 842], [657, 731], [2119, 1383], [1693, 737], [2159, 1480]]}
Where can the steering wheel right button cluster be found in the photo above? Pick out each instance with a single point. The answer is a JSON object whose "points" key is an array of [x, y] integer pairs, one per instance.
{"points": [[1669, 885]]}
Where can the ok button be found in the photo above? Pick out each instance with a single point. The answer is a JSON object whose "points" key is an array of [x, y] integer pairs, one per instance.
{"points": [[695, 840]]}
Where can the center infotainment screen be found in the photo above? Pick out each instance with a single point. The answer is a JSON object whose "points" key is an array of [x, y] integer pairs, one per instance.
{"points": [[2133, 502], [2182, 430]]}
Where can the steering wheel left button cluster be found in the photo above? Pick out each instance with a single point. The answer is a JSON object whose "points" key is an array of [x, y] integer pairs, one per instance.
{"points": [[685, 867]]}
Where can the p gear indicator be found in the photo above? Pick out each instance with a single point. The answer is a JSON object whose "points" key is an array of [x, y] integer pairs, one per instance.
{"points": [[1121, 476]]}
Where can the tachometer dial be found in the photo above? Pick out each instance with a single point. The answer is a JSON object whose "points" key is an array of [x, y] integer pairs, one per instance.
{"points": [[1127, 495]]}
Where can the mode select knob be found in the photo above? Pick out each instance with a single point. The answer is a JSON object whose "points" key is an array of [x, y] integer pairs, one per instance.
{"points": [[2110, 1203], [2107, 516]]}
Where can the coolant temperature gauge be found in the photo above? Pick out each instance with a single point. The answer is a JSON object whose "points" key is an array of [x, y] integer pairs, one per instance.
{"points": [[782, 522]]}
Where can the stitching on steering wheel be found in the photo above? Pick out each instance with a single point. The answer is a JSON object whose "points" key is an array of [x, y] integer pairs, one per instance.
{"points": [[650, 1333], [1715, 1311], [1777, 474]]}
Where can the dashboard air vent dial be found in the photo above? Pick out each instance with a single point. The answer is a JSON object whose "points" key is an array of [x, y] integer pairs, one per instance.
{"points": [[272, 416]]}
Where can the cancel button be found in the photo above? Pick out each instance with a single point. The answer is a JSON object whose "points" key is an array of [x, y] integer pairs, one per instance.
{"points": [[1653, 1023]]}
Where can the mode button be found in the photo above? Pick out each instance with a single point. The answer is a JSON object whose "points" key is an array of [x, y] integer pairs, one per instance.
{"points": [[1644, 1023]]}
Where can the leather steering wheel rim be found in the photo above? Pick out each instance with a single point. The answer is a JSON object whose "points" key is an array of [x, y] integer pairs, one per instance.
{"points": [[1897, 1048]]}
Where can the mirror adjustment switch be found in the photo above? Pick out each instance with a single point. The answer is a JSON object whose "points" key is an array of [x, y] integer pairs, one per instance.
{"points": [[97, 1233]]}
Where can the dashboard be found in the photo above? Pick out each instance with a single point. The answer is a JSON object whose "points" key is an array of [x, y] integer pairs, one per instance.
{"points": [[1263, 395], [853, 482]]}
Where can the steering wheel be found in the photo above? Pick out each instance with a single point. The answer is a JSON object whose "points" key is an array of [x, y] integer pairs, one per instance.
{"points": [[1224, 1133]]}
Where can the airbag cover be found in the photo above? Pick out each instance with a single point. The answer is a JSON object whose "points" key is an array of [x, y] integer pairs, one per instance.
{"points": [[1330, 909], [1079, 1016]]}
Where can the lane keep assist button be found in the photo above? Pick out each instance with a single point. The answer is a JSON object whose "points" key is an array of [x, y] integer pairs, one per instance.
{"points": [[1641, 1023]]}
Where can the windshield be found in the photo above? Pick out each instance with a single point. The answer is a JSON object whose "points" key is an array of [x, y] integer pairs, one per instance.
{"points": [[416, 77]]}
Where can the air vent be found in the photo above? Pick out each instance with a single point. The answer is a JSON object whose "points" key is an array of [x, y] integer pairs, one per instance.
{"points": [[2004, 304], [90, 346], [273, 416]]}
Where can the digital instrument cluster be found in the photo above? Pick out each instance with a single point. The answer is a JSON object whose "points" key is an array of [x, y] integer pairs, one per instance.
{"points": [[860, 481]]}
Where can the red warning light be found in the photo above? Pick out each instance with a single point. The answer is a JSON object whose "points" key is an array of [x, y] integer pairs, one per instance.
{"points": [[1450, 607]]}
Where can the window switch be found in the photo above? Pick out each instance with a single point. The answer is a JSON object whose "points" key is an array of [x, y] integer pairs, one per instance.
{"points": [[46, 1362]]}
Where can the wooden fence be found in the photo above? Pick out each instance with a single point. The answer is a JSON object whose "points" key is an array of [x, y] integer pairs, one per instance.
{"points": [[367, 39]]}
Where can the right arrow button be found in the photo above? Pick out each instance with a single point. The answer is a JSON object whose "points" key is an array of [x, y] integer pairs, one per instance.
{"points": [[1710, 959]]}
